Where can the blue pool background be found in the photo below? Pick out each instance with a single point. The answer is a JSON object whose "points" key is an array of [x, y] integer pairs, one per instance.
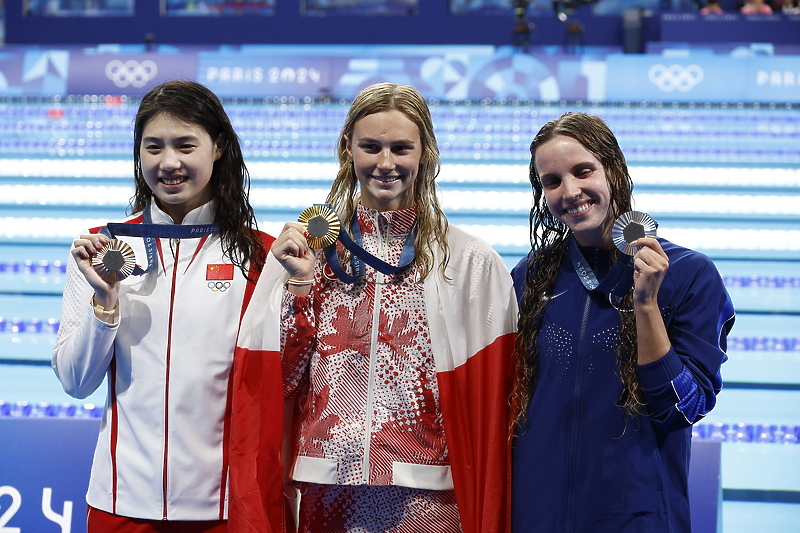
{"points": [[722, 177]]}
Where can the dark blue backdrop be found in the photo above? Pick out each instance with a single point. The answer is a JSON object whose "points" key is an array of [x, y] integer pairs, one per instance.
{"points": [[433, 25]]}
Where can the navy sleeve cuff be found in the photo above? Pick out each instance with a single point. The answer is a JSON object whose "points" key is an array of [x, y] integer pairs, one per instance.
{"points": [[660, 372]]}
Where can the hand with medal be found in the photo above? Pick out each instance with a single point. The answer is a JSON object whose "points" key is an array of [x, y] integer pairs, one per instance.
{"points": [[84, 250], [650, 265], [634, 233], [292, 251]]}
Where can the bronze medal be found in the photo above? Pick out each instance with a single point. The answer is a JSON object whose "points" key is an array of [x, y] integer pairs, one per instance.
{"points": [[115, 261]]}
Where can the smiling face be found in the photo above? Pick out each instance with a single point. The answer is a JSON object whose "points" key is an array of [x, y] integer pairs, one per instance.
{"points": [[386, 151], [576, 189], [177, 160]]}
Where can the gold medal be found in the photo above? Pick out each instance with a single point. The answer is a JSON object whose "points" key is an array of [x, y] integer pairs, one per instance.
{"points": [[322, 225], [115, 261], [631, 226]]}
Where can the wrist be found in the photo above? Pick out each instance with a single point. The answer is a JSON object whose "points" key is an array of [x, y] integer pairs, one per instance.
{"points": [[299, 281], [646, 307], [104, 299], [299, 287], [106, 314]]}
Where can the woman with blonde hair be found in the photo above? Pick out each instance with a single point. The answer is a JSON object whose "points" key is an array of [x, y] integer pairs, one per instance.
{"points": [[399, 345]]}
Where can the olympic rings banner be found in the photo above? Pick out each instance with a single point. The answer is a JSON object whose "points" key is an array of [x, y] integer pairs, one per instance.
{"points": [[704, 78], [677, 79], [125, 72], [745, 73]]}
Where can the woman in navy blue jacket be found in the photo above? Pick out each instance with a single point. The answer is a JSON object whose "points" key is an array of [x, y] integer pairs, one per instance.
{"points": [[610, 380]]}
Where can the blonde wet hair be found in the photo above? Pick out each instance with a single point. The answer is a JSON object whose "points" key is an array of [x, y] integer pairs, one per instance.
{"points": [[431, 222]]}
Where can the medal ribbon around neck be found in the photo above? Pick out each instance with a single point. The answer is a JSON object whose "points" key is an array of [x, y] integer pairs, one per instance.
{"points": [[617, 282], [626, 229], [149, 232], [324, 233]]}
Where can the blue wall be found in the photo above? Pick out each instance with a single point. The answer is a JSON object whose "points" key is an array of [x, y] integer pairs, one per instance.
{"points": [[433, 25]]}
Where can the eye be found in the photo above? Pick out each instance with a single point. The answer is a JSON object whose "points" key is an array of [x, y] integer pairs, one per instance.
{"points": [[402, 149], [585, 172], [550, 182], [369, 147]]}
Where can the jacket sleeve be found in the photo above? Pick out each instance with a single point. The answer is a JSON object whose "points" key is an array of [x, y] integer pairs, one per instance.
{"points": [[681, 387], [84, 346], [298, 338]]}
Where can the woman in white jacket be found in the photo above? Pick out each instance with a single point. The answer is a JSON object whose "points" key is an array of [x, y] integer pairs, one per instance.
{"points": [[164, 337]]}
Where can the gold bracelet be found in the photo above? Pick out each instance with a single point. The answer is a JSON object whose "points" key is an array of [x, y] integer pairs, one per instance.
{"points": [[292, 281], [100, 310]]}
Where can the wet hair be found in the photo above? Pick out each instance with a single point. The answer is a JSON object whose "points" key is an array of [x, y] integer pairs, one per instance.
{"points": [[431, 222], [549, 239], [192, 103]]}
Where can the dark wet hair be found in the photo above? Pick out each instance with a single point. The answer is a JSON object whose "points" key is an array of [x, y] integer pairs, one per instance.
{"points": [[549, 238], [193, 103]]}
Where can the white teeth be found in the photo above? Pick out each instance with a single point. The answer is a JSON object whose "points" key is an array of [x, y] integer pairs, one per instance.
{"points": [[386, 179], [173, 181], [580, 209]]}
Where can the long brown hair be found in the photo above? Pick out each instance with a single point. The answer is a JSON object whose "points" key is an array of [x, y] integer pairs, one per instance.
{"points": [[193, 103], [549, 238], [431, 222]]}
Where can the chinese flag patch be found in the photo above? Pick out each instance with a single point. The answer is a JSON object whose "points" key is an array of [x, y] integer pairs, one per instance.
{"points": [[219, 272]]}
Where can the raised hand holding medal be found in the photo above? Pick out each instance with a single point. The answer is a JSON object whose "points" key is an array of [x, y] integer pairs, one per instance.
{"points": [[650, 263], [627, 229]]}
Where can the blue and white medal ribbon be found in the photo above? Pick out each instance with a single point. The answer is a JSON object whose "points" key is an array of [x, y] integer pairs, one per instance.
{"points": [[354, 245], [626, 230], [617, 282], [149, 232]]}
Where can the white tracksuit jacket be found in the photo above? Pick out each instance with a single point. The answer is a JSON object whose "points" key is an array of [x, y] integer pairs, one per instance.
{"points": [[160, 452]]}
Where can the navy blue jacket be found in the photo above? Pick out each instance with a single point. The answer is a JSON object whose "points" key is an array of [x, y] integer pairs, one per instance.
{"points": [[579, 464]]}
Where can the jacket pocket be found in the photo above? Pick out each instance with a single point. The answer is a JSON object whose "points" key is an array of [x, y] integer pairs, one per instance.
{"points": [[430, 477], [315, 470]]}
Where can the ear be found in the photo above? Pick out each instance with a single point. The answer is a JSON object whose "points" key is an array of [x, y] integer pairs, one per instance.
{"points": [[348, 147], [219, 147]]}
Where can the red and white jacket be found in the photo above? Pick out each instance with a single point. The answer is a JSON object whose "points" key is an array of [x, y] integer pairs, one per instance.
{"points": [[426, 368], [172, 439]]}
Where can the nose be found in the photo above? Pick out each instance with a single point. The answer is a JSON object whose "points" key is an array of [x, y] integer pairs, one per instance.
{"points": [[572, 187], [169, 160], [386, 160]]}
